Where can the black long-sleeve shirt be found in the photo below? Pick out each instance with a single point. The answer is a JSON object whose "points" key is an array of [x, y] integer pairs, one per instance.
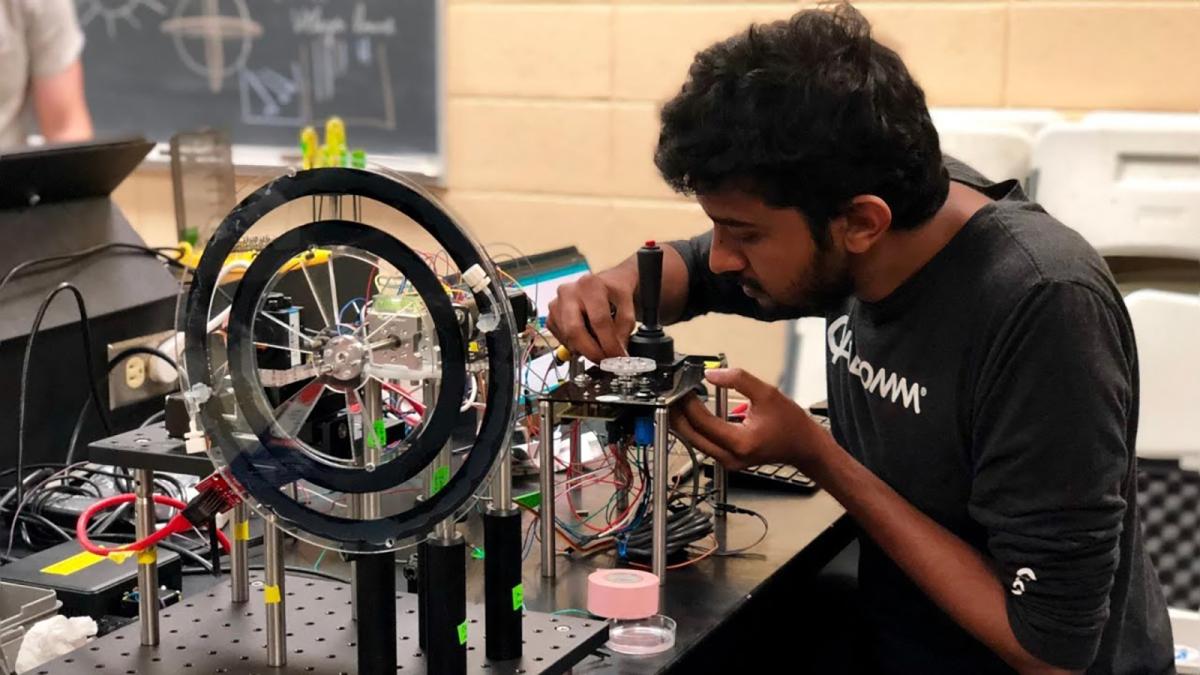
{"points": [[997, 391]]}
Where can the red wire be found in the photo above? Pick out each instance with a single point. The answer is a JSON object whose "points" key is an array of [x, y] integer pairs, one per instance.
{"points": [[176, 525], [370, 284], [412, 420], [407, 396]]}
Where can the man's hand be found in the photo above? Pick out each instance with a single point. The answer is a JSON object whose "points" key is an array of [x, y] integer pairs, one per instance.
{"points": [[775, 428], [593, 316]]}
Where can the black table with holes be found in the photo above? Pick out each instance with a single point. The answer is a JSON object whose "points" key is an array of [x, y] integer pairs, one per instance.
{"points": [[207, 634], [722, 605]]}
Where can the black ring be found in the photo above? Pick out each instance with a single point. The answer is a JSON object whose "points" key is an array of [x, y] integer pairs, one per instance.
{"points": [[434, 433], [254, 461]]}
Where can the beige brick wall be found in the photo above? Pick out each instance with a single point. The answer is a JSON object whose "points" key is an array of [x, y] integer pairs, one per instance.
{"points": [[551, 116]]}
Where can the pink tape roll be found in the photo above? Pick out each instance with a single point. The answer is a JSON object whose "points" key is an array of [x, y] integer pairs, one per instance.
{"points": [[622, 594]]}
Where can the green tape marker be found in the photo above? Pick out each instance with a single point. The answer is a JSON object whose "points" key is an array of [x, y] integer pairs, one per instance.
{"points": [[462, 633], [379, 437], [518, 597], [441, 476]]}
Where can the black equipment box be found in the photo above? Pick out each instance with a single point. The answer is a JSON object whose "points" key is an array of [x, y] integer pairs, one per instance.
{"points": [[87, 583]]}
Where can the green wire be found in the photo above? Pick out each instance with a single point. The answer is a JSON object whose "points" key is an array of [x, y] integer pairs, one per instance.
{"points": [[317, 564]]}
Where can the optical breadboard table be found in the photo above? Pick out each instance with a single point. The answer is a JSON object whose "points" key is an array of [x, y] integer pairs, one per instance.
{"points": [[206, 633]]}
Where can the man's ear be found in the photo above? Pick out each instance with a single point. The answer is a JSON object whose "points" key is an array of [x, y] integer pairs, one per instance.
{"points": [[865, 219]]}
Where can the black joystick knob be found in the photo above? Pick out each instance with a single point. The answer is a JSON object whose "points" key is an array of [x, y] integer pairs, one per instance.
{"points": [[650, 341]]}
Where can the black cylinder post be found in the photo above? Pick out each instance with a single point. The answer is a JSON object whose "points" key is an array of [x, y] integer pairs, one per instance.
{"points": [[376, 598], [423, 594], [504, 593], [446, 642]]}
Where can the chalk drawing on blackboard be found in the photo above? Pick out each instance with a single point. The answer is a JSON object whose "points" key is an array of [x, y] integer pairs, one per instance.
{"points": [[327, 61], [112, 12], [270, 98], [211, 29]]}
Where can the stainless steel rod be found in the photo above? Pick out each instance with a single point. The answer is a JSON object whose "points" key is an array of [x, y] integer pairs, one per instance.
{"points": [[239, 559], [658, 476], [546, 484], [274, 593], [373, 441], [502, 493], [720, 477], [147, 578], [575, 449], [445, 530]]}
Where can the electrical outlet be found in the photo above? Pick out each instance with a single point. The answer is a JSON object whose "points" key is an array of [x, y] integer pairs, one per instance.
{"points": [[135, 372], [130, 382]]}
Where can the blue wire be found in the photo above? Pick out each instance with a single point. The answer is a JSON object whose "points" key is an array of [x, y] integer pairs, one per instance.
{"points": [[351, 304]]}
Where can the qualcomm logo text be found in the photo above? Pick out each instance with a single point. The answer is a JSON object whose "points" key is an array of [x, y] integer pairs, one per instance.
{"points": [[875, 380]]}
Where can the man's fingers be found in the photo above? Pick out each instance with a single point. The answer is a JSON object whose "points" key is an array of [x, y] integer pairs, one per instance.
{"points": [[605, 331], [573, 331], [738, 379], [681, 425], [701, 419]]}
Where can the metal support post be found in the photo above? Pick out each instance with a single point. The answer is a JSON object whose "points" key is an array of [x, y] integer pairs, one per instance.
{"points": [[575, 450], [273, 597], [147, 577], [546, 484], [659, 494], [720, 476], [239, 558]]}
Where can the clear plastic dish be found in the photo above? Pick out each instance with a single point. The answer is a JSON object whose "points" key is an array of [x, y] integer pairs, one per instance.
{"points": [[650, 635]]}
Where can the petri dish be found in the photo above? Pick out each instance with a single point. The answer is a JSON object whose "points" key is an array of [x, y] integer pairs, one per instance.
{"points": [[651, 635]]}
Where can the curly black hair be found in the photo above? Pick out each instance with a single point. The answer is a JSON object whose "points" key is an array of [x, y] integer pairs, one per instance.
{"points": [[806, 113]]}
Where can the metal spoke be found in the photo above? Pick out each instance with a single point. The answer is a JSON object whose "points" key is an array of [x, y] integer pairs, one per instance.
{"points": [[267, 345], [372, 346], [376, 331], [337, 317], [316, 298], [286, 327], [291, 415]]}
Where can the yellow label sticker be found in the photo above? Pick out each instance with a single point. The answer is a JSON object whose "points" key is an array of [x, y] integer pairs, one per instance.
{"points": [[147, 557], [271, 595], [73, 564], [120, 556], [709, 365], [241, 531]]}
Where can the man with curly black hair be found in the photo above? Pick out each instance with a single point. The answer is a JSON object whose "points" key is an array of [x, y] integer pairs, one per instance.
{"points": [[982, 372]]}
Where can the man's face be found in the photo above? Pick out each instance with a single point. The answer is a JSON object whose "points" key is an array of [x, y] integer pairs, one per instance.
{"points": [[772, 253]]}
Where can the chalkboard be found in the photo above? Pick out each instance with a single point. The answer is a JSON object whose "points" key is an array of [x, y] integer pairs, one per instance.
{"points": [[263, 69]]}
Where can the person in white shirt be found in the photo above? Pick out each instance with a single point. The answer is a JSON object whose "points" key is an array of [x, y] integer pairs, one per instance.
{"points": [[40, 69]]}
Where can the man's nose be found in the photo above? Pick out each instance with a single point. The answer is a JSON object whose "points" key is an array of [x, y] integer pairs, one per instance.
{"points": [[723, 259]]}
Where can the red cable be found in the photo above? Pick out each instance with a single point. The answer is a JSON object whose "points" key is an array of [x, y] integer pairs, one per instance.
{"points": [[176, 525], [407, 396]]}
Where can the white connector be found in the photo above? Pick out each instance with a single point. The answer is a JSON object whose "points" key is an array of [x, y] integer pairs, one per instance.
{"points": [[194, 441], [476, 278]]}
